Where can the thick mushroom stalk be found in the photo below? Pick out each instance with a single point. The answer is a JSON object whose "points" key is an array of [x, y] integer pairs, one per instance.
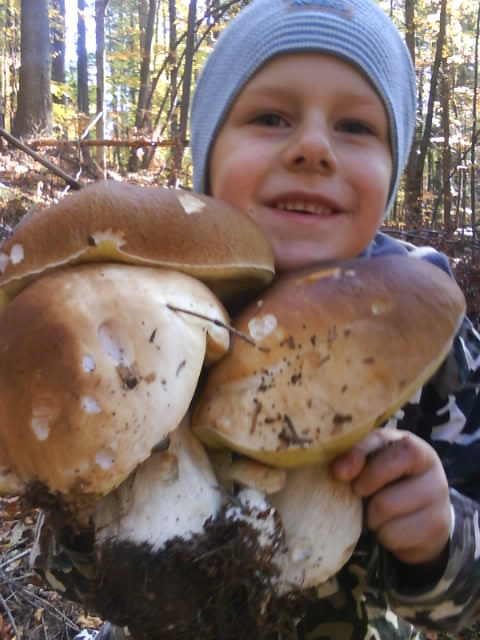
{"points": [[95, 371], [321, 520], [172, 494], [179, 558], [320, 517]]}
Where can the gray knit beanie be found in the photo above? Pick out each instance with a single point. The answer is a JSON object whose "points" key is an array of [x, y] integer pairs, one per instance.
{"points": [[357, 31]]}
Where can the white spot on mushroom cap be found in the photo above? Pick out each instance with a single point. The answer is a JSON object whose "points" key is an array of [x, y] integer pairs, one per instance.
{"points": [[45, 411], [115, 237], [381, 305], [115, 342], [261, 327], [105, 458], [17, 254], [40, 427], [191, 204], [88, 363], [90, 405]]}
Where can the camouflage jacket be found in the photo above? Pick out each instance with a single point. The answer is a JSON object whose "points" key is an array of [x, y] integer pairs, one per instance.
{"points": [[374, 597]]}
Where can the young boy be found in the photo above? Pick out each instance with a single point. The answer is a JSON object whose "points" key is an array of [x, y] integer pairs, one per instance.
{"points": [[303, 117]]}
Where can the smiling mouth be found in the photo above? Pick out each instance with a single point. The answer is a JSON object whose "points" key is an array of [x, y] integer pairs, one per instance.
{"points": [[309, 208]]}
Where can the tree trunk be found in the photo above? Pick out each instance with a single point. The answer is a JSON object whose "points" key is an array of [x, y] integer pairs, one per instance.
{"points": [[143, 117], [58, 50], [410, 28], [474, 134], [446, 157], [34, 111], [83, 100], [413, 188], [173, 76], [186, 87], [100, 7], [82, 61]]}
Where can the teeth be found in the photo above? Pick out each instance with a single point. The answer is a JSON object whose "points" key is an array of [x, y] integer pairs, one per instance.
{"points": [[304, 207]]}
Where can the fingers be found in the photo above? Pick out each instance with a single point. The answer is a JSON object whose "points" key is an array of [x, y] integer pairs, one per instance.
{"points": [[398, 455], [348, 465], [409, 496], [406, 491], [412, 517], [419, 537]]}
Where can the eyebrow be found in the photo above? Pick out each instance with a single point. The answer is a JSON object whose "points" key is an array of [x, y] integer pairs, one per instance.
{"points": [[279, 90]]}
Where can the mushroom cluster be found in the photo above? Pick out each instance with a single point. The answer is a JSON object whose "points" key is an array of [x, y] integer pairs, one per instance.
{"points": [[106, 323], [223, 523], [339, 350]]}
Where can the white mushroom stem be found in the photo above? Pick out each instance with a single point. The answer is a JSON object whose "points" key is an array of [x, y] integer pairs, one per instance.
{"points": [[322, 520], [171, 494], [173, 552], [253, 508]]}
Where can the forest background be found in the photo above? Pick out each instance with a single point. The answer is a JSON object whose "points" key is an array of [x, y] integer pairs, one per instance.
{"points": [[123, 94], [102, 89]]}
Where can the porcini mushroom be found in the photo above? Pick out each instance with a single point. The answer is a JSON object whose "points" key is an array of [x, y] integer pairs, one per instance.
{"points": [[105, 326], [150, 226], [95, 370], [338, 351]]}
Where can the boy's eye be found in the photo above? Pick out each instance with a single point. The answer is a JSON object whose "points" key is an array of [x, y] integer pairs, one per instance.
{"points": [[356, 127], [270, 120]]}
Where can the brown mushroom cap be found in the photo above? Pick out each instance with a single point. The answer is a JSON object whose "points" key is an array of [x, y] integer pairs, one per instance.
{"points": [[150, 226], [340, 350], [95, 370]]}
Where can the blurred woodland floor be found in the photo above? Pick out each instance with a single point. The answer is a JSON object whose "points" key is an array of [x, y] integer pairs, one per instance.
{"points": [[28, 611]]}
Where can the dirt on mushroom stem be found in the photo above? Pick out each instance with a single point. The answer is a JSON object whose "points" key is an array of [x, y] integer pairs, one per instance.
{"points": [[218, 586], [38, 612]]}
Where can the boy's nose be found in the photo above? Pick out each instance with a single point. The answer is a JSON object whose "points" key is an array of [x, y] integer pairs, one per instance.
{"points": [[311, 150]]}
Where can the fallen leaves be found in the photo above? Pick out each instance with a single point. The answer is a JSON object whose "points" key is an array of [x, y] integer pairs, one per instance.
{"points": [[28, 611]]}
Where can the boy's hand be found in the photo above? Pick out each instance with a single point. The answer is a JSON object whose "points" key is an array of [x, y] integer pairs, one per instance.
{"points": [[408, 504]]}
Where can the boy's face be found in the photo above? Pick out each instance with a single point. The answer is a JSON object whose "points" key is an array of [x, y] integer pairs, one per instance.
{"points": [[305, 152]]}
